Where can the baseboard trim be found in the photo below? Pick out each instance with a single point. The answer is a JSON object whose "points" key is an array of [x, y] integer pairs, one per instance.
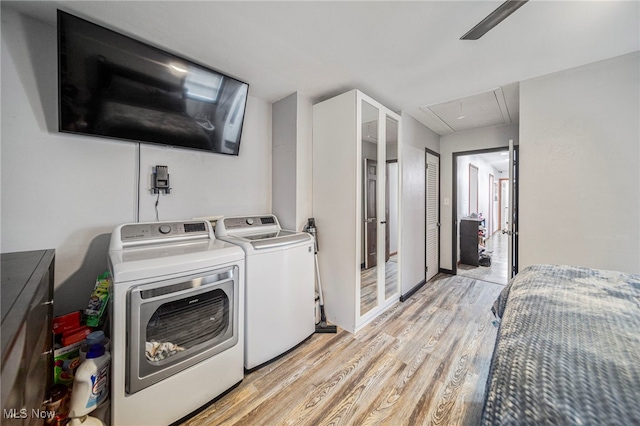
{"points": [[411, 292], [446, 271]]}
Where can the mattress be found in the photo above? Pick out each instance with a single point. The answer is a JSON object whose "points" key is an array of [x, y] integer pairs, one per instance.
{"points": [[568, 349]]}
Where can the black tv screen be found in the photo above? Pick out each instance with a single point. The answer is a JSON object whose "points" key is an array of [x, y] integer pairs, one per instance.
{"points": [[113, 86]]}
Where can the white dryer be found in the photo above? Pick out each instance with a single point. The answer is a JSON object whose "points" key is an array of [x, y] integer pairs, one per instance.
{"points": [[280, 294], [177, 320]]}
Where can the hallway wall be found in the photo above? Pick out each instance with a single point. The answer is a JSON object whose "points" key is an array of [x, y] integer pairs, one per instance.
{"points": [[488, 137]]}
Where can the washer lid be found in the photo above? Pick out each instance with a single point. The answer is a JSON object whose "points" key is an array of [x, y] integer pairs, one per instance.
{"points": [[257, 242], [273, 240], [255, 233], [267, 235]]}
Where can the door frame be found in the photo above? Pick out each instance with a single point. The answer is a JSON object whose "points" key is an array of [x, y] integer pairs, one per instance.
{"points": [[454, 201]]}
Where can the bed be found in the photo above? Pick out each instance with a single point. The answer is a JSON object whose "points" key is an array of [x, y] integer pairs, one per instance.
{"points": [[568, 349]]}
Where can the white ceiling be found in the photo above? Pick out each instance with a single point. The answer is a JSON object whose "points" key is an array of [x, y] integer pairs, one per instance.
{"points": [[499, 160], [407, 55], [495, 107]]}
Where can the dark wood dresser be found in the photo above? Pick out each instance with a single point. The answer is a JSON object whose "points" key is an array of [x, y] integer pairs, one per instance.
{"points": [[27, 339], [469, 253]]}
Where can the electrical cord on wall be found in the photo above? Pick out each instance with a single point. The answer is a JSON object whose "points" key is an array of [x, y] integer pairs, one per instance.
{"points": [[157, 201], [138, 188]]}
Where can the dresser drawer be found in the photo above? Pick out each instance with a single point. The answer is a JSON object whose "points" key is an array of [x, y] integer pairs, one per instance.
{"points": [[27, 340], [38, 370], [13, 373]]}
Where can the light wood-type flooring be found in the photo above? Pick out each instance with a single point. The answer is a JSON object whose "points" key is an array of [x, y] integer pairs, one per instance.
{"points": [[497, 247], [422, 362], [369, 284]]}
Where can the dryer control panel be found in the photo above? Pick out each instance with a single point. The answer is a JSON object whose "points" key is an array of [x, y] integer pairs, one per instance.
{"points": [[143, 233]]}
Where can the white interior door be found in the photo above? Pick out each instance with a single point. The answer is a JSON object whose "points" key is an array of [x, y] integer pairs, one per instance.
{"points": [[490, 204], [504, 203], [432, 209], [473, 189]]}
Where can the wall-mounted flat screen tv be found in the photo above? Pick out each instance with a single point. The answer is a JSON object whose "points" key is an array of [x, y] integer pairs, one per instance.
{"points": [[113, 86]]}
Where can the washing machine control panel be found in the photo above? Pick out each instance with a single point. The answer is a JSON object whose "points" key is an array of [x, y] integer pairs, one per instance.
{"points": [[249, 222], [139, 232]]}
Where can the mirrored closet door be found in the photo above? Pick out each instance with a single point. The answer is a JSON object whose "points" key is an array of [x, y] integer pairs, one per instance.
{"points": [[356, 204], [391, 287], [379, 233]]}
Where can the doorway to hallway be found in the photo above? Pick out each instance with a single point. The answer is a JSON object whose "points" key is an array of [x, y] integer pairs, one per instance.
{"points": [[496, 272], [485, 214]]}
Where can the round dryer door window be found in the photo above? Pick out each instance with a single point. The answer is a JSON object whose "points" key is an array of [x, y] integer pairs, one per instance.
{"points": [[176, 324]]}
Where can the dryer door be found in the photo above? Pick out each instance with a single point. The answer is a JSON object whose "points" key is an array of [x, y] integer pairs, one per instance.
{"points": [[175, 324]]}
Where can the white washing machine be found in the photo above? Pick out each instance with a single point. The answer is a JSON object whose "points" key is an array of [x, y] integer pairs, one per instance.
{"points": [[280, 294], [177, 320]]}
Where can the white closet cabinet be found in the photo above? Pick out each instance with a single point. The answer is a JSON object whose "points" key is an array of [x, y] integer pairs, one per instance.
{"points": [[356, 202]]}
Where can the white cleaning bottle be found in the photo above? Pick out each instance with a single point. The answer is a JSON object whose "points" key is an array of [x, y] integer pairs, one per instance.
{"points": [[90, 388]]}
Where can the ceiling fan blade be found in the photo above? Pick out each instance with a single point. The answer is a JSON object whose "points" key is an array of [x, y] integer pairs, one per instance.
{"points": [[493, 19]]}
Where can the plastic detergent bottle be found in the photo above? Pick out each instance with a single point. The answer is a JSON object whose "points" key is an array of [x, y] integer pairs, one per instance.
{"points": [[91, 387], [95, 338]]}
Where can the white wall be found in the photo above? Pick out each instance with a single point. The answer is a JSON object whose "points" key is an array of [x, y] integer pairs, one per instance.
{"points": [[206, 184], [292, 161], [484, 170], [67, 192], [579, 173], [304, 162], [284, 138], [477, 139], [414, 139]]}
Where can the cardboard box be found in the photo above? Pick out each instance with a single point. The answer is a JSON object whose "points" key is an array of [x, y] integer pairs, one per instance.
{"points": [[65, 363], [67, 322], [96, 310], [74, 336]]}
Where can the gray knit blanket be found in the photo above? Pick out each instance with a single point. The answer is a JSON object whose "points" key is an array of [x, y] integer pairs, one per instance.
{"points": [[568, 349]]}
